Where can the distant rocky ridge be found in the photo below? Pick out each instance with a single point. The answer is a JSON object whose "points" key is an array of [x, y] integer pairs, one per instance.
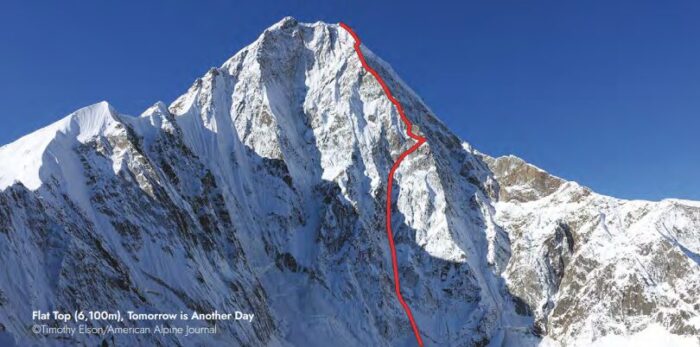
{"points": [[589, 265]]}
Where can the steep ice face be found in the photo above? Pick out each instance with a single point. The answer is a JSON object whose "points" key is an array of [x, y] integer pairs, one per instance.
{"points": [[262, 189]]}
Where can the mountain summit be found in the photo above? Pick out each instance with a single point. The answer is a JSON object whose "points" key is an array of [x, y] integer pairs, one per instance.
{"points": [[262, 190]]}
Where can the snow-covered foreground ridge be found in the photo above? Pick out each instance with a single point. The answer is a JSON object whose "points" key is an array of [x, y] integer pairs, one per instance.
{"points": [[262, 188]]}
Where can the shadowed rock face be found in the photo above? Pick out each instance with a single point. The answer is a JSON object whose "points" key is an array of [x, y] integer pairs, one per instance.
{"points": [[262, 190]]}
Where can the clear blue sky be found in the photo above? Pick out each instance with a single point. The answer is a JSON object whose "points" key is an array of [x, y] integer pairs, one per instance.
{"points": [[605, 93]]}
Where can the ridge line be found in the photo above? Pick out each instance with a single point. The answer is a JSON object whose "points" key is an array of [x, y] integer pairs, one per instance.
{"points": [[390, 180]]}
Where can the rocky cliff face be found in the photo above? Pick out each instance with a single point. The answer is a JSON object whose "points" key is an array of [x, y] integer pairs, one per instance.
{"points": [[262, 189]]}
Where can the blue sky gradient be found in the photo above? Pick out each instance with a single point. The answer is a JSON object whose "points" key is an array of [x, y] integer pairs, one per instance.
{"points": [[604, 93]]}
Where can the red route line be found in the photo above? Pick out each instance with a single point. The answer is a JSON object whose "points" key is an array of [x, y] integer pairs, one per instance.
{"points": [[420, 140]]}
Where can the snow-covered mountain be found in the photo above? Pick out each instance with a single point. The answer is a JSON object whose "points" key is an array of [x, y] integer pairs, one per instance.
{"points": [[591, 266], [262, 189]]}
